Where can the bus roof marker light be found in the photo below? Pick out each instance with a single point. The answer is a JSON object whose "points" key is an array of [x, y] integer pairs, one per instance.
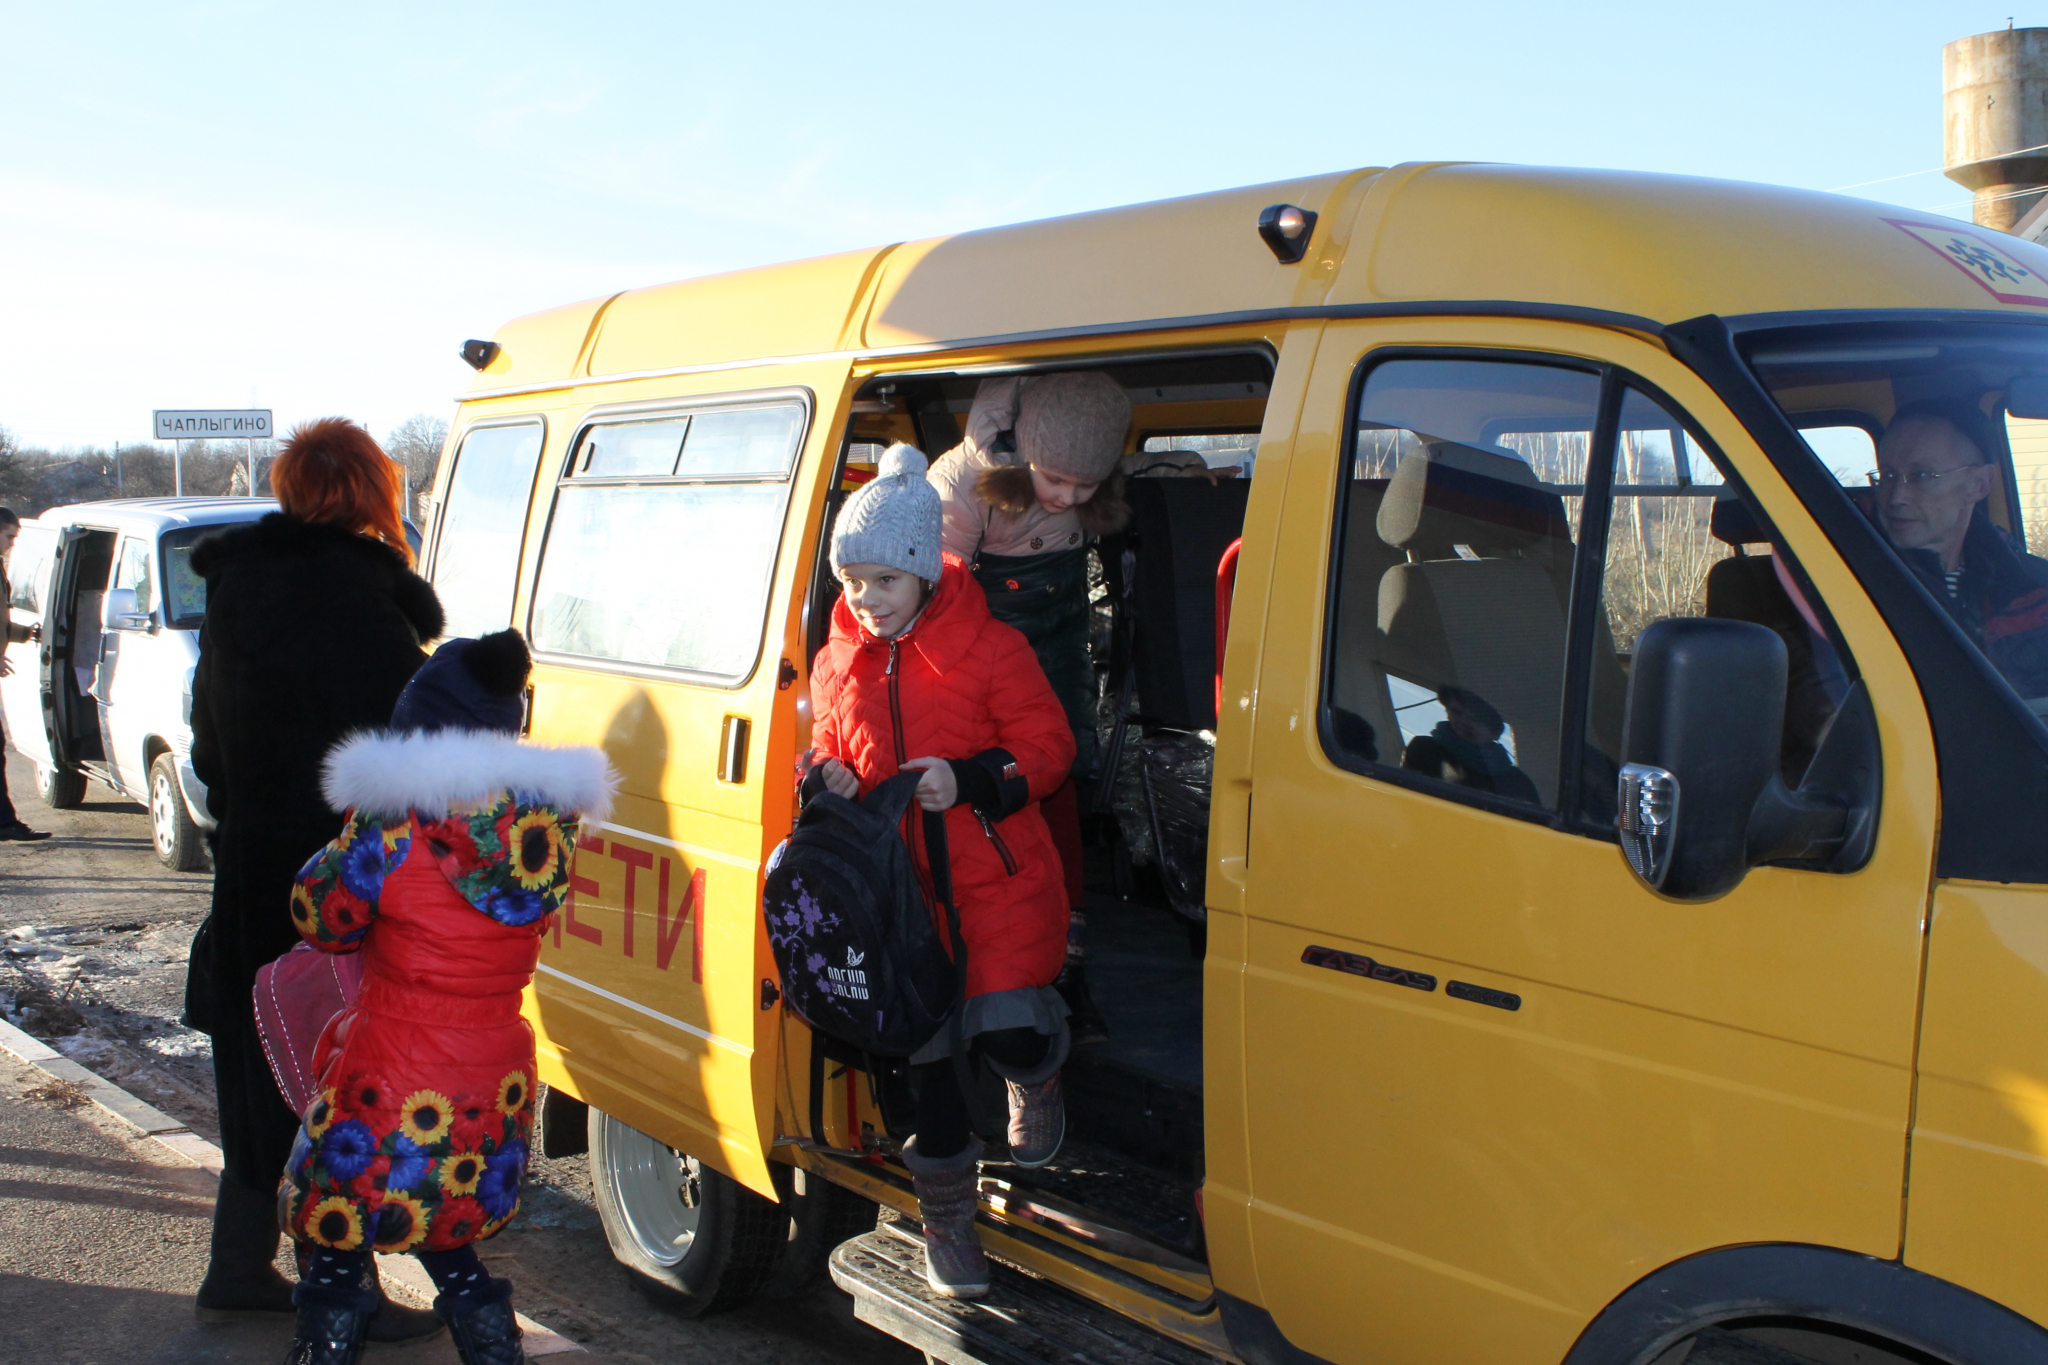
{"points": [[1287, 229]]}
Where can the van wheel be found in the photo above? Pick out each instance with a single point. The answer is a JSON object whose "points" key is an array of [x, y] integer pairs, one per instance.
{"points": [[821, 1216], [60, 788], [694, 1240], [179, 845]]}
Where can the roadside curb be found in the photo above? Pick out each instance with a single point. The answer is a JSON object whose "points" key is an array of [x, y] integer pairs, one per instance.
{"points": [[167, 1132]]}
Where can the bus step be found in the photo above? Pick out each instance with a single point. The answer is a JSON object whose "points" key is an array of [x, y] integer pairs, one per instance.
{"points": [[1024, 1320]]}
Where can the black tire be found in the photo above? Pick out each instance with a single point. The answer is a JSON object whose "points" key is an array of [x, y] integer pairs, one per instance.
{"points": [[692, 1239], [60, 788], [821, 1216], [179, 844]]}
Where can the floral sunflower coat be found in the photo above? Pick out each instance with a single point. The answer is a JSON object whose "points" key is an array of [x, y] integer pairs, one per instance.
{"points": [[455, 852]]}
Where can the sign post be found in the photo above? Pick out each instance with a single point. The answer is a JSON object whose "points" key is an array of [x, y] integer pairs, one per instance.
{"points": [[179, 425]]}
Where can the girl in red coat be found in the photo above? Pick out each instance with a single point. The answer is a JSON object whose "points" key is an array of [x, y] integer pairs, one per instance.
{"points": [[918, 675], [454, 853]]}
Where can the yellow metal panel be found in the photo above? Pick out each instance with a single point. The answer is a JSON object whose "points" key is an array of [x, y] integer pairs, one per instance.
{"points": [[1177, 258], [1665, 246], [778, 310], [1660, 246], [1516, 1171], [1226, 1190], [539, 347], [1980, 1134], [1678, 1077], [667, 1037]]}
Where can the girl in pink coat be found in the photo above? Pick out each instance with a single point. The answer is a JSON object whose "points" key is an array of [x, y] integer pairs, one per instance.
{"points": [[453, 856]]}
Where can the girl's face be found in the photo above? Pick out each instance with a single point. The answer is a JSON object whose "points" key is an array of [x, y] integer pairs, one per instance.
{"points": [[882, 599], [1058, 492]]}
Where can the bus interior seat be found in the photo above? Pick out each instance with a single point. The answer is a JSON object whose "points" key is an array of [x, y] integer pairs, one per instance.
{"points": [[1746, 587], [1362, 719], [1480, 601], [1180, 528]]}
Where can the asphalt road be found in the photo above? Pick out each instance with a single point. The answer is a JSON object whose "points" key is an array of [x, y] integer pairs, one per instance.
{"points": [[105, 1234]]}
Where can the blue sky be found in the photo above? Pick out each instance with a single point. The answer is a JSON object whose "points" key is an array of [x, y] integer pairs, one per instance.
{"points": [[308, 208]]}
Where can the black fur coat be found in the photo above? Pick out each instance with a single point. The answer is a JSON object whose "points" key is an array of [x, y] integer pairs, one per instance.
{"points": [[311, 632]]}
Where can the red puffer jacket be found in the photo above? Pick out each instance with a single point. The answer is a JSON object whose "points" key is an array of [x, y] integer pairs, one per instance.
{"points": [[967, 687], [455, 852]]}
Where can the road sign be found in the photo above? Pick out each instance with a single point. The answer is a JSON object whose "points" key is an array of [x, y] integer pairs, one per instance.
{"points": [[207, 424]]}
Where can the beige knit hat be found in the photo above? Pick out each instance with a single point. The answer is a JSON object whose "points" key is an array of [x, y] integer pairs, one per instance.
{"points": [[1074, 423]]}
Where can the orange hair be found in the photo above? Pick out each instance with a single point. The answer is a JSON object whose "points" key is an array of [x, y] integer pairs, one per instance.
{"points": [[334, 471]]}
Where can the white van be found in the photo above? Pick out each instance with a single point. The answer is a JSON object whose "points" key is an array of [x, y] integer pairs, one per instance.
{"points": [[110, 696]]}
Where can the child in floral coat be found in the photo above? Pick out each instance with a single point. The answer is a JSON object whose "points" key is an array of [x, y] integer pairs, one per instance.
{"points": [[454, 853]]}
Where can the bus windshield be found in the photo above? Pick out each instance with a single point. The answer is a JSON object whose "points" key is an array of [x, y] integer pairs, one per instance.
{"points": [[1939, 433]]}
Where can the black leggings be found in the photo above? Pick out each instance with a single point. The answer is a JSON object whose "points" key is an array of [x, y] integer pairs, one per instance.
{"points": [[458, 1274], [943, 1127]]}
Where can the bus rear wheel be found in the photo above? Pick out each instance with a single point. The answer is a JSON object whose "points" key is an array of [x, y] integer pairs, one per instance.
{"points": [[694, 1240]]}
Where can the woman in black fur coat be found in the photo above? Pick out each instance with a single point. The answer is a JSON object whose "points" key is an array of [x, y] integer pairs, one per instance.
{"points": [[314, 624]]}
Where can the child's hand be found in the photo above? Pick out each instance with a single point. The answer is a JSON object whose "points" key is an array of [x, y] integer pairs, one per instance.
{"points": [[939, 790], [839, 779]]}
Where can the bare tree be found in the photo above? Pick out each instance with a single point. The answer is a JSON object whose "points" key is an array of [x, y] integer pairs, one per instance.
{"points": [[11, 486], [416, 444]]}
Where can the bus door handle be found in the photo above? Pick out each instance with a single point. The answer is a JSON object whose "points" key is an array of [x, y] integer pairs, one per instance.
{"points": [[732, 749]]}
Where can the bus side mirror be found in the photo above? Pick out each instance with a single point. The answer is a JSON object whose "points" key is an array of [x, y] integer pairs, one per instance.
{"points": [[1701, 799]]}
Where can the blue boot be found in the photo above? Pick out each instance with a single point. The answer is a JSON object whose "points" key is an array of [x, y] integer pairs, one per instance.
{"points": [[485, 1329], [332, 1324]]}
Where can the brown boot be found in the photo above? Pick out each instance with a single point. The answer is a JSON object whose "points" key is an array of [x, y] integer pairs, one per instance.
{"points": [[954, 1265]]}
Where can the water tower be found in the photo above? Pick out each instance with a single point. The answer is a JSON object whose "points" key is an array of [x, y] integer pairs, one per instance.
{"points": [[1995, 103]]}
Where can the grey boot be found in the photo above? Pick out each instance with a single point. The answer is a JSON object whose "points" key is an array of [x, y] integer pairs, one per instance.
{"points": [[1038, 1121], [954, 1265], [1038, 1110]]}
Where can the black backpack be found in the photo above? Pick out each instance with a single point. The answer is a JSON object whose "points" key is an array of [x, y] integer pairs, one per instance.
{"points": [[861, 960]]}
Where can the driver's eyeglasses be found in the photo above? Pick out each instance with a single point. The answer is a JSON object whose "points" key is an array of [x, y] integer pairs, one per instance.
{"points": [[1919, 480]]}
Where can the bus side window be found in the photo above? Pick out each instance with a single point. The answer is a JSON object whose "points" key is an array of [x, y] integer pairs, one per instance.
{"points": [[1681, 542], [476, 558], [1454, 563]]}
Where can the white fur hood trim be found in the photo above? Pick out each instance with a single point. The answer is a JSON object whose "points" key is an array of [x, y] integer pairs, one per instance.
{"points": [[381, 772]]}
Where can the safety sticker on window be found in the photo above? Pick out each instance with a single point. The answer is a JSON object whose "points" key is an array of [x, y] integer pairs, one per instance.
{"points": [[1978, 255]]}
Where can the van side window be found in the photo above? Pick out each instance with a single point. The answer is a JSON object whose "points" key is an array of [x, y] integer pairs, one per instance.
{"points": [[1682, 543], [28, 568], [1229, 454], [133, 572], [476, 558], [1453, 584], [662, 539], [1464, 520]]}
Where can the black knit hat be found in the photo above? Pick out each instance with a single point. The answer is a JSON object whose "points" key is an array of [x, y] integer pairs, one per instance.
{"points": [[468, 685]]}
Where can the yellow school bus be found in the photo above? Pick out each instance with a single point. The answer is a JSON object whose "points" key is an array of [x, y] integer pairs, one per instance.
{"points": [[1568, 883]]}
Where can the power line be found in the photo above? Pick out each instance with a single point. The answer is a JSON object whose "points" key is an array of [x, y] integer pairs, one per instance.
{"points": [[1932, 170], [1988, 199]]}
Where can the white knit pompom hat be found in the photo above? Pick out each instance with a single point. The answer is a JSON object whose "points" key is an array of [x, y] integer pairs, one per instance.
{"points": [[894, 520]]}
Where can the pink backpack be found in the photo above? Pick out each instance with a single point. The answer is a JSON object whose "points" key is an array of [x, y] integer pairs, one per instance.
{"points": [[297, 997]]}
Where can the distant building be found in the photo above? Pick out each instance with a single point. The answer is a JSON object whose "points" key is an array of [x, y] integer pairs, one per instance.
{"points": [[1995, 126]]}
